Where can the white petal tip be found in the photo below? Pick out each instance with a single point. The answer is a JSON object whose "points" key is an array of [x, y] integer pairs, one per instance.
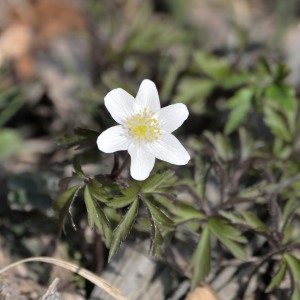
{"points": [[183, 160]]}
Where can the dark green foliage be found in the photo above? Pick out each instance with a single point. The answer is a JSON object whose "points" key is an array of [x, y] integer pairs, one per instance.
{"points": [[129, 195], [82, 138], [123, 229], [245, 147], [228, 235], [294, 266], [278, 276], [63, 203], [201, 259], [96, 217]]}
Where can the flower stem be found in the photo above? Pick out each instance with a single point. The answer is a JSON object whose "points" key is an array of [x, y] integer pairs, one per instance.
{"points": [[116, 172], [116, 165]]}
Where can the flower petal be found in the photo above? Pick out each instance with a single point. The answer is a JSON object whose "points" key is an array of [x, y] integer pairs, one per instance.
{"points": [[147, 96], [119, 104], [142, 161], [113, 139], [169, 149], [171, 117]]}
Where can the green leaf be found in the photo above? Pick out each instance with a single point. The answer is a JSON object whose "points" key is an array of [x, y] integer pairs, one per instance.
{"points": [[77, 167], [281, 149], [294, 266], [11, 107], [201, 259], [246, 144], [193, 92], [129, 195], [97, 190], [254, 191], [296, 293], [200, 176], [289, 210], [277, 124], [232, 217], [156, 243], [10, 143], [156, 36], [62, 204], [96, 217], [236, 118], [278, 277], [159, 217], [283, 95], [215, 67], [254, 222], [241, 104], [170, 80], [221, 145], [142, 224], [228, 235], [123, 229], [283, 98], [184, 212], [154, 182]]}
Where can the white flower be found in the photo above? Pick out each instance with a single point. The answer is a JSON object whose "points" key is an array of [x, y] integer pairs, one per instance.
{"points": [[144, 130]]}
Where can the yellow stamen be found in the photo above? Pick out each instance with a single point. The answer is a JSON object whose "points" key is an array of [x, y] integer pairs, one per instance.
{"points": [[144, 126]]}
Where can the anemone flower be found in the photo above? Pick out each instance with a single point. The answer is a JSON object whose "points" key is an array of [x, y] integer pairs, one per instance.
{"points": [[144, 130]]}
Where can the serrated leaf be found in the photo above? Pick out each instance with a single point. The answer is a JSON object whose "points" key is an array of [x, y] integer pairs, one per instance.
{"points": [[129, 195], [201, 259], [155, 181], [276, 280], [159, 217], [254, 222], [184, 212], [156, 243], [63, 203], [123, 229], [96, 217], [77, 167], [97, 190], [228, 235]]}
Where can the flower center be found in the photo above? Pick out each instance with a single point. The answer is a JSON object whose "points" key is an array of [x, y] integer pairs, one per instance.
{"points": [[143, 126]]}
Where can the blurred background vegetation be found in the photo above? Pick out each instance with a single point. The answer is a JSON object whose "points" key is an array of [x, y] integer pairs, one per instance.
{"points": [[234, 63]]}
